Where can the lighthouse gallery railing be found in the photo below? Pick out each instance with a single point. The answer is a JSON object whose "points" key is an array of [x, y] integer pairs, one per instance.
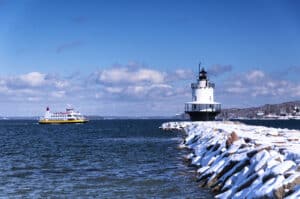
{"points": [[202, 107]]}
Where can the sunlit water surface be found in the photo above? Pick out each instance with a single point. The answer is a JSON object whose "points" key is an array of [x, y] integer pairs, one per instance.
{"points": [[102, 159]]}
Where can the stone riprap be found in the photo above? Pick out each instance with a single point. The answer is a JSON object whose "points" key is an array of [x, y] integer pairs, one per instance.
{"points": [[242, 161]]}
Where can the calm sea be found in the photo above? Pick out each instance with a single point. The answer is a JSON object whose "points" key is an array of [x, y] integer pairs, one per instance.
{"points": [[101, 159], [289, 124]]}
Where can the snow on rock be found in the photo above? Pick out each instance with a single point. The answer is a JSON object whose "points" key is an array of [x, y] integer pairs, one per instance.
{"points": [[241, 161]]}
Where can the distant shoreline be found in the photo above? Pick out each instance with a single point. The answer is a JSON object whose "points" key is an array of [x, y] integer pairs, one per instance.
{"points": [[96, 118]]}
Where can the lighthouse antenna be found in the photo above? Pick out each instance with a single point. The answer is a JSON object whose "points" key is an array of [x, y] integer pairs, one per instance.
{"points": [[199, 67]]}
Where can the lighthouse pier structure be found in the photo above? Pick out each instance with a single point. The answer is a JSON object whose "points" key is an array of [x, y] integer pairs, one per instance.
{"points": [[202, 107]]}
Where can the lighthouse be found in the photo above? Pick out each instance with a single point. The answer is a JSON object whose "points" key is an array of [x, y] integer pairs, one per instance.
{"points": [[202, 107]]}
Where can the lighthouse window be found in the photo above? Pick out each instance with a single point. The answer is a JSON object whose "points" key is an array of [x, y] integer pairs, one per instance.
{"points": [[194, 106]]}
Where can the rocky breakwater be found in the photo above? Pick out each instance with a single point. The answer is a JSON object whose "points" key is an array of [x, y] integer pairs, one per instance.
{"points": [[236, 160]]}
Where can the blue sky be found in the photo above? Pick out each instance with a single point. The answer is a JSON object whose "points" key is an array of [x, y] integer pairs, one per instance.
{"points": [[139, 57]]}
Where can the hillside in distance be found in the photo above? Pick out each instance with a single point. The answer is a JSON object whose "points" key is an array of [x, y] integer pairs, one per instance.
{"points": [[252, 112]]}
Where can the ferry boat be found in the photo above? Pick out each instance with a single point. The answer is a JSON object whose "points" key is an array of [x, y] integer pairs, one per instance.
{"points": [[68, 117], [202, 107]]}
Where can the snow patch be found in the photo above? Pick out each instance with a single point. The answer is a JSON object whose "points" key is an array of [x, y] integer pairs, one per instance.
{"points": [[240, 161]]}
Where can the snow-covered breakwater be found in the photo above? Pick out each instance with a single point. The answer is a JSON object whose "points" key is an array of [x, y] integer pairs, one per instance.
{"points": [[241, 161]]}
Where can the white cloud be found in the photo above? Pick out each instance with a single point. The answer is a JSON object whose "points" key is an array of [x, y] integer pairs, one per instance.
{"points": [[58, 94], [98, 95], [33, 99], [179, 75], [183, 74], [255, 75], [236, 90], [124, 75], [33, 79], [161, 86], [136, 82], [136, 90], [61, 84], [4, 89], [127, 85], [113, 90], [256, 85], [33, 87]]}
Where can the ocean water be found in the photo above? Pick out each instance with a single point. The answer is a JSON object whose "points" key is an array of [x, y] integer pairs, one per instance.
{"points": [[289, 124], [100, 159]]}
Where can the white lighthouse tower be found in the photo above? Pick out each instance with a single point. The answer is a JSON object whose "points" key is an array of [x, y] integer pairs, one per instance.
{"points": [[202, 107]]}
